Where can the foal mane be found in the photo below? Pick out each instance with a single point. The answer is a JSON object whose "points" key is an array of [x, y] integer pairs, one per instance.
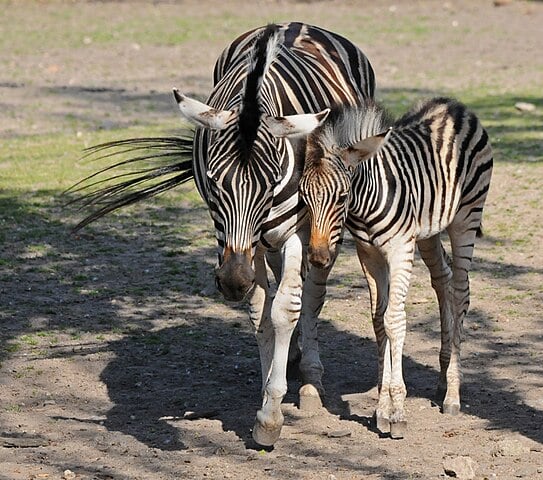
{"points": [[346, 125]]}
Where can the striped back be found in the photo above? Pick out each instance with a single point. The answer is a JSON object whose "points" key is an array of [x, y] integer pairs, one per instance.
{"points": [[406, 178]]}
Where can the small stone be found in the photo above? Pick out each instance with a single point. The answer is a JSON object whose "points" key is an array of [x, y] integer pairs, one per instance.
{"points": [[460, 467], [525, 106], [509, 448], [68, 475]]}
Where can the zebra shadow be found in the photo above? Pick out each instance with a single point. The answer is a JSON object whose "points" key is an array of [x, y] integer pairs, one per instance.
{"points": [[162, 383], [200, 361]]}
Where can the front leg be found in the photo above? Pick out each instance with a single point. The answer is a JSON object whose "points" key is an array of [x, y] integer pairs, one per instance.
{"points": [[314, 293], [285, 311], [400, 263], [260, 315], [375, 269]]}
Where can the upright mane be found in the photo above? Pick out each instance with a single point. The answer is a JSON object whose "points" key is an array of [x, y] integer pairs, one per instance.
{"points": [[347, 125], [263, 53]]}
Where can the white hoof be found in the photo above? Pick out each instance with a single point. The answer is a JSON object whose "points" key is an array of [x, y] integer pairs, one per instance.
{"points": [[266, 436]]}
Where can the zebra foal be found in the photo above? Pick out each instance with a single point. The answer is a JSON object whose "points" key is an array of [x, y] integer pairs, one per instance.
{"points": [[397, 185], [247, 158]]}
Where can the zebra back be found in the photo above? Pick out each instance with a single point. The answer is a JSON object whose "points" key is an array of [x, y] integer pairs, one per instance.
{"points": [[436, 162]]}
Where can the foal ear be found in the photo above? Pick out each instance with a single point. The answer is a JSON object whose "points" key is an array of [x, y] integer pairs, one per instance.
{"points": [[203, 115], [365, 149], [295, 125]]}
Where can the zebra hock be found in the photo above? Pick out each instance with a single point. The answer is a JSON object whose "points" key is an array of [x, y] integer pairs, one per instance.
{"points": [[247, 158], [397, 185]]}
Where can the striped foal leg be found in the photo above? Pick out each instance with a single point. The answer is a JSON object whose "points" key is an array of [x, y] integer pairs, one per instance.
{"points": [[285, 311], [311, 367], [400, 263], [434, 256], [376, 272]]}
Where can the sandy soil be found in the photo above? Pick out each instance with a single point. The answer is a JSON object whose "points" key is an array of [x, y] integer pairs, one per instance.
{"points": [[119, 359]]}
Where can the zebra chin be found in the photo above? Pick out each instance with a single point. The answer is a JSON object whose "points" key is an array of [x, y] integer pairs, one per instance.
{"points": [[235, 278]]}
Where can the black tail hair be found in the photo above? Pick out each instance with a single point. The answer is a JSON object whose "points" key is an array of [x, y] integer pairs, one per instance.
{"points": [[163, 163]]}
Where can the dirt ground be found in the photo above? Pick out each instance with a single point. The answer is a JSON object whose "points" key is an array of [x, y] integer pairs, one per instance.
{"points": [[120, 361]]}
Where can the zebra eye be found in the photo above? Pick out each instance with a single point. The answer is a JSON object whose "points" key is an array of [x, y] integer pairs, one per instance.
{"points": [[212, 176], [342, 198]]}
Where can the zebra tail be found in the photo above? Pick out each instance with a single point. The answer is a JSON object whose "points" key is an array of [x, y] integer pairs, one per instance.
{"points": [[479, 233], [162, 163]]}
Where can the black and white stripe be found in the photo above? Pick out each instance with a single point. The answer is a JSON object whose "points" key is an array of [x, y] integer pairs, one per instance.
{"points": [[299, 69], [408, 181]]}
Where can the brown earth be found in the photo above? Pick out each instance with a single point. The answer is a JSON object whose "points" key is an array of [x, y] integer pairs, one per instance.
{"points": [[119, 359]]}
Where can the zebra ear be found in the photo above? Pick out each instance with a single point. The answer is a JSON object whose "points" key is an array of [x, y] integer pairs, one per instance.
{"points": [[295, 125], [203, 115], [365, 149]]}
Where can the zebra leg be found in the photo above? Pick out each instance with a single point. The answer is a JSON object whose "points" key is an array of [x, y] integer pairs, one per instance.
{"points": [[275, 262], [260, 315], [434, 256], [311, 368], [376, 272], [400, 264], [285, 311], [462, 236]]}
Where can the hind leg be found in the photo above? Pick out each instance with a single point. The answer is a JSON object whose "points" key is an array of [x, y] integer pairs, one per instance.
{"points": [[462, 237], [434, 256]]}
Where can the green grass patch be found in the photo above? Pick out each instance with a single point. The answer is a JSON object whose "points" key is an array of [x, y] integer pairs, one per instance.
{"points": [[515, 136]]}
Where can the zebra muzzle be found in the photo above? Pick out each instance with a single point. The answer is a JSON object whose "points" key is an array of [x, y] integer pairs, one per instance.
{"points": [[235, 277], [319, 254]]}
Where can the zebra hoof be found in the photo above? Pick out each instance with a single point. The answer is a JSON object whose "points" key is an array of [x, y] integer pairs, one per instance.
{"points": [[310, 399], [441, 391], [381, 423], [451, 408], [265, 436], [398, 429]]}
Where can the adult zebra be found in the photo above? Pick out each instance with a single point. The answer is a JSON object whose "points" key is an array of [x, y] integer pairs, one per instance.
{"points": [[396, 185], [247, 172]]}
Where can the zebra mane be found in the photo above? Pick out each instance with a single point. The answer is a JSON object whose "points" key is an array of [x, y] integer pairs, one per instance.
{"points": [[263, 53], [347, 125]]}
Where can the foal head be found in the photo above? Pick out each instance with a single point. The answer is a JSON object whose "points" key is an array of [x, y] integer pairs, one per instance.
{"points": [[333, 151]]}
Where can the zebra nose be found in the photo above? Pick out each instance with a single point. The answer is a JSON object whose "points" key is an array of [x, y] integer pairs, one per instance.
{"points": [[319, 256], [235, 277]]}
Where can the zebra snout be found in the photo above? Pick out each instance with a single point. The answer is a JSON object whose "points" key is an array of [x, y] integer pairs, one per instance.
{"points": [[319, 256], [235, 277]]}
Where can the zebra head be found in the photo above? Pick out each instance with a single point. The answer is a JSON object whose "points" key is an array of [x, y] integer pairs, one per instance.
{"points": [[241, 180], [325, 188], [331, 159]]}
